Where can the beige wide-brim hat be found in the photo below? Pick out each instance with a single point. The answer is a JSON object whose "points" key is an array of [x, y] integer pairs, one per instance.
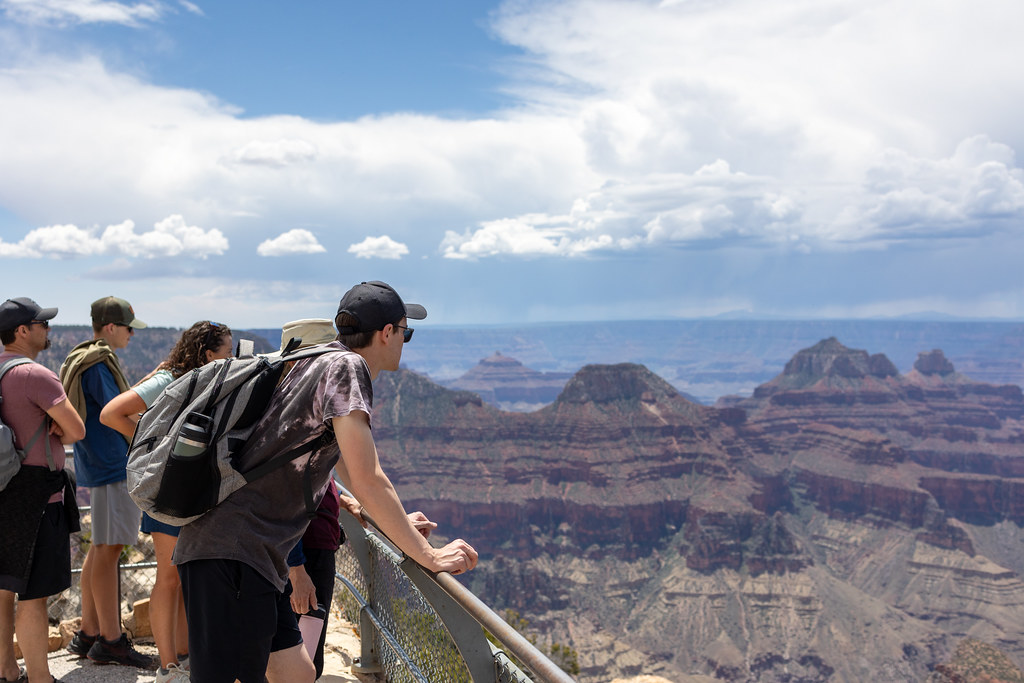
{"points": [[311, 331]]}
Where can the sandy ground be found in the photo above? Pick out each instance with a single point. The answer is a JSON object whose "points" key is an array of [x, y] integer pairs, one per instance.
{"points": [[342, 646]]}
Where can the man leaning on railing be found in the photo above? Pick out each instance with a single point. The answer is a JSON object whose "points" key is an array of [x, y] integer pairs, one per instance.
{"points": [[232, 560]]}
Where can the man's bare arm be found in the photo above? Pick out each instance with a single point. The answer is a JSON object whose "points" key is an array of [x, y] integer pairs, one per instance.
{"points": [[359, 468], [67, 423]]}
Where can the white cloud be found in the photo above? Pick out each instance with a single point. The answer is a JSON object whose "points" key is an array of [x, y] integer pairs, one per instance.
{"points": [[170, 237], [278, 154], [102, 139], [379, 247], [977, 190], [526, 236], [83, 11], [296, 241]]}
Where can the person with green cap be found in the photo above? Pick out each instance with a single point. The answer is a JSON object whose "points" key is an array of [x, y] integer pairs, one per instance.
{"points": [[92, 376]]}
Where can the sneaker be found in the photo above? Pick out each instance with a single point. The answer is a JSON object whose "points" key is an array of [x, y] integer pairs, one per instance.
{"points": [[183, 662], [172, 674], [22, 677], [80, 644], [119, 651]]}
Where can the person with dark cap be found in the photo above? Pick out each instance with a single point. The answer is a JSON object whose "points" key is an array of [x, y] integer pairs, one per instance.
{"points": [[92, 376], [233, 559], [37, 506]]}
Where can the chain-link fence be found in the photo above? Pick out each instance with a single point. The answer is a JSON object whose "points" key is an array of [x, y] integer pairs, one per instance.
{"points": [[414, 629], [419, 647], [136, 576]]}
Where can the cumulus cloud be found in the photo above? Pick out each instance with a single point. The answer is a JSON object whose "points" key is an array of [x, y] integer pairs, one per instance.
{"points": [[169, 237], [379, 247], [85, 11], [976, 190], [296, 241], [277, 154], [709, 206]]}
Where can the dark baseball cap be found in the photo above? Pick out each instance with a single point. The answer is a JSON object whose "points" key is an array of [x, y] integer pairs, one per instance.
{"points": [[376, 304], [111, 309], [21, 311]]}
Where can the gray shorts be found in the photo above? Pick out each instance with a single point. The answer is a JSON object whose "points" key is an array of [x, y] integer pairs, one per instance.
{"points": [[115, 516]]}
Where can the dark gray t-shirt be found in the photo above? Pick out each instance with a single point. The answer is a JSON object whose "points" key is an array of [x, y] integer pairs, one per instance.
{"points": [[261, 522]]}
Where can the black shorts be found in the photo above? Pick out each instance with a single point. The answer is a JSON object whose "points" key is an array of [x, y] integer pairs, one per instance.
{"points": [[51, 560], [236, 618]]}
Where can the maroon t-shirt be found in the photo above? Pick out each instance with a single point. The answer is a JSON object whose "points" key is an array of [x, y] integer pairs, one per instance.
{"points": [[30, 390], [323, 532]]}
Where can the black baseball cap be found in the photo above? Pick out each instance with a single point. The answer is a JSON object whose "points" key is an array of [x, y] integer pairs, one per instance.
{"points": [[374, 305], [21, 311]]}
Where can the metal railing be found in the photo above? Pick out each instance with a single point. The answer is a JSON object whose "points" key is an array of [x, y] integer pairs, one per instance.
{"points": [[415, 625]]}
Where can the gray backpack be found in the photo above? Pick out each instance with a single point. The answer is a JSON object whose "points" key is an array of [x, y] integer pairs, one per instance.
{"points": [[10, 456], [184, 457]]}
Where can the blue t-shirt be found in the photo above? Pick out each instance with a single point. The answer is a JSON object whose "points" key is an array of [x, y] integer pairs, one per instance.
{"points": [[102, 456]]}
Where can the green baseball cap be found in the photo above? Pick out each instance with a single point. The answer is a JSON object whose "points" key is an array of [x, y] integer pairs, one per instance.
{"points": [[111, 309]]}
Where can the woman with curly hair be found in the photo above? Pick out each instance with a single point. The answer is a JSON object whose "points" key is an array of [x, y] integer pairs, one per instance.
{"points": [[200, 344]]}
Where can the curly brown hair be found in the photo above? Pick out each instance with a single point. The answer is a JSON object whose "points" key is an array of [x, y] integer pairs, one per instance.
{"points": [[190, 351]]}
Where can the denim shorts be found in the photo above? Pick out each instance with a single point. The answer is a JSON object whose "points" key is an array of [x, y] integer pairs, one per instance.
{"points": [[149, 525]]}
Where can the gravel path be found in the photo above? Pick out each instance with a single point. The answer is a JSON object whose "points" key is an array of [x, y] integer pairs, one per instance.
{"points": [[341, 642]]}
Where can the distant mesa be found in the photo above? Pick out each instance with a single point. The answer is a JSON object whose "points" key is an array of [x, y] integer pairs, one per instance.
{"points": [[623, 382], [933, 363], [830, 359], [506, 383]]}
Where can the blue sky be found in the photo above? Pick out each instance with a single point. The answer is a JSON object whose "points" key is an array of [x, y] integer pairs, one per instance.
{"points": [[511, 162]]}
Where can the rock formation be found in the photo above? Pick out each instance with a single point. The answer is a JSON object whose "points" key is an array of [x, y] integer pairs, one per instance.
{"points": [[506, 383], [844, 523]]}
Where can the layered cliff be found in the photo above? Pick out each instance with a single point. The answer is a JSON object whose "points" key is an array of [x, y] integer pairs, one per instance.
{"points": [[844, 522]]}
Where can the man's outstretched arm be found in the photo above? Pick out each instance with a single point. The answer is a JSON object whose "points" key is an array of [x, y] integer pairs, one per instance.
{"points": [[359, 468]]}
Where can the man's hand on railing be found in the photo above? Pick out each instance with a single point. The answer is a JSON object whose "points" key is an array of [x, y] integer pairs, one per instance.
{"points": [[422, 524], [455, 558]]}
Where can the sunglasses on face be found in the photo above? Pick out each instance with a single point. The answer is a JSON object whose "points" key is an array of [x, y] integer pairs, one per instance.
{"points": [[406, 333], [44, 323]]}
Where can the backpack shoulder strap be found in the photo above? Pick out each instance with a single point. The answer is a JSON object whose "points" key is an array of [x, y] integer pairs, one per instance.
{"points": [[10, 363], [4, 367]]}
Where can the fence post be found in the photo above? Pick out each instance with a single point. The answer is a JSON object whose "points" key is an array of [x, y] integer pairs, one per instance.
{"points": [[355, 536]]}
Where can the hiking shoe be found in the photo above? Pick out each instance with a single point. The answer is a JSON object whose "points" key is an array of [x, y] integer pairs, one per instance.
{"points": [[80, 644], [172, 674], [119, 651], [22, 677]]}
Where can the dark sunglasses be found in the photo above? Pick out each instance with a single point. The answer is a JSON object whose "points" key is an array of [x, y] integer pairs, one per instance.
{"points": [[406, 333], [44, 323]]}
